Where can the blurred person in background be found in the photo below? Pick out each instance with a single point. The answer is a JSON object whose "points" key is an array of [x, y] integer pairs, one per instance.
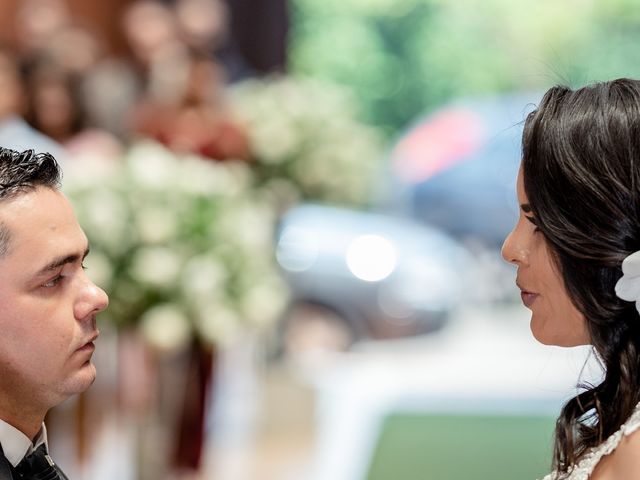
{"points": [[54, 106], [204, 24], [169, 88], [57, 107], [11, 93], [37, 22], [56, 57], [152, 34], [189, 115], [577, 249], [48, 310], [76, 49], [107, 91], [182, 103], [15, 132]]}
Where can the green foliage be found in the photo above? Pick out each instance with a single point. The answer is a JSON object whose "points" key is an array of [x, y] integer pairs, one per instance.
{"points": [[403, 57]]}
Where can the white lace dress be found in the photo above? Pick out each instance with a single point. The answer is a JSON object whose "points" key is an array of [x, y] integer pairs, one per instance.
{"points": [[586, 466]]}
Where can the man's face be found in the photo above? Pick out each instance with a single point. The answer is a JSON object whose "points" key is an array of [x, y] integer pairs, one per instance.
{"points": [[48, 306]]}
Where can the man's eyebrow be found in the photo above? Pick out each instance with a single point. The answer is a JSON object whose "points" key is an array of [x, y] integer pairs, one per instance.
{"points": [[526, 208], [60, 261]]}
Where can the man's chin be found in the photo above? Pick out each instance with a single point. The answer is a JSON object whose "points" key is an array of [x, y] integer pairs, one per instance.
{"points": [[82, 379]]}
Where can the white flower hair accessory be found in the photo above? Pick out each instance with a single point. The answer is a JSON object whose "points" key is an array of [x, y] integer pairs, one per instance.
{"points": [[628, 287]]}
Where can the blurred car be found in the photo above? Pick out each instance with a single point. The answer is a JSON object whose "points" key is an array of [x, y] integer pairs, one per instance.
{"points": [[448, 201], [364, 275], [456, 169]]}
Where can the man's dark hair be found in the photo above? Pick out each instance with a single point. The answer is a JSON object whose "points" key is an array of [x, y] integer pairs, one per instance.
{"points": [[24, 171], [21, 172]]}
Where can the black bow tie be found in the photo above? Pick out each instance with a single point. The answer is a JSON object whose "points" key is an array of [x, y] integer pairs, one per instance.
{"points": [[37, 466]]}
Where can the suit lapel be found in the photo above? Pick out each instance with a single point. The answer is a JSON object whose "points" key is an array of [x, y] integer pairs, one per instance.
{"points": [[60, 473], [5, 467]]}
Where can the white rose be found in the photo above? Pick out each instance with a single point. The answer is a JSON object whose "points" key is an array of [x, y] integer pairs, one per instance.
{"points": [[203, 176], [105, 217], [265, 301], [88, 173], [249, 225], [166, 327], [217, 324], [242, 175], [155, 224], [156, 266], [203, 278], [282, 193], [151, 165]]}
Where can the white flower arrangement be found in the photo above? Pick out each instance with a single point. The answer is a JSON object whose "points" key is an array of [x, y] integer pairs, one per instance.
{"points": [[182, 245], [628, 286], [306, 140]]}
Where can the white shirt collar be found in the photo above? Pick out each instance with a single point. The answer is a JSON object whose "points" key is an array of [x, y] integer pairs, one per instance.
{"points": [[16, 445]]}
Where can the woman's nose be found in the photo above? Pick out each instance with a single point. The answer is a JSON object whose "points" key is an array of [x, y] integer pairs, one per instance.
{"points": [[514, 248]]}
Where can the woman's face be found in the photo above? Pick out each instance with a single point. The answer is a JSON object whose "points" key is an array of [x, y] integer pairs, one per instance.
{"points": [[554, 318]]}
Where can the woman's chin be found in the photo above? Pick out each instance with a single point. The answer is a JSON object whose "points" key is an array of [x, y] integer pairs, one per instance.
{"points": [[547, 336]]}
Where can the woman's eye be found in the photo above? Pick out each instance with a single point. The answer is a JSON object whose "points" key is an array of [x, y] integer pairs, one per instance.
{"points": [[535, 223]]}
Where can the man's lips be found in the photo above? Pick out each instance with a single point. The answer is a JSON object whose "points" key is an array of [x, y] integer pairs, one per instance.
{"points": [[88, 345]]}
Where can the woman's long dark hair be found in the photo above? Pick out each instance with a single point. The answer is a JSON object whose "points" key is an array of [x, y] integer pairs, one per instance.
{"points": [[581, 168]]}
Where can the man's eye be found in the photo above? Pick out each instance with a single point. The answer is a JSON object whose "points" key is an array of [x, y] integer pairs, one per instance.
{"points": [[53, 282]]}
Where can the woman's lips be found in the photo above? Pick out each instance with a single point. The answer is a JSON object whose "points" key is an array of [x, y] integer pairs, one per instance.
{"points": [[528, 298]]}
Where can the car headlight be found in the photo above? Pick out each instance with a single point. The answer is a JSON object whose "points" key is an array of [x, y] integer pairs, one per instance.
{"points": [[371, 258]]}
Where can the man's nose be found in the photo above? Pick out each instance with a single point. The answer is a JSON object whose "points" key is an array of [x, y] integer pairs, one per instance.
{"points": [[93, 301]]}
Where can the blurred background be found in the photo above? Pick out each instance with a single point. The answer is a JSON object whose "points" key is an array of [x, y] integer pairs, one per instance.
{"points": [[297, 207]]}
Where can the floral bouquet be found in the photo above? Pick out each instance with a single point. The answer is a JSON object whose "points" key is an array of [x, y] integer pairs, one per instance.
{"points": [[180, 244], [306, 142]]}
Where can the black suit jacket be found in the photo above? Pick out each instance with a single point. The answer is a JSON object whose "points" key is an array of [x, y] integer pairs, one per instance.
{"points": [[6, 469]]}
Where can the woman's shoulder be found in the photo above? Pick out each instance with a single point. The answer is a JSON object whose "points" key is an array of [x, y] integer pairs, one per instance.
{"points": [[624, 461], [620, 454], [617, 458]]}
